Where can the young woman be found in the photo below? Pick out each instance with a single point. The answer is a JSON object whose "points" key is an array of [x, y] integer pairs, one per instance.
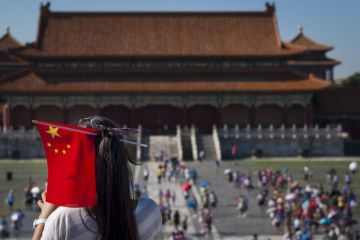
{"points": [[117, 215]]}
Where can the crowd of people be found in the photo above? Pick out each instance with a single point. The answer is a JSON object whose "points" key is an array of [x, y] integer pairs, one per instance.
{"points": [[200, 210], [301, 210], [296, 207], [11, 225], [308, 209]]}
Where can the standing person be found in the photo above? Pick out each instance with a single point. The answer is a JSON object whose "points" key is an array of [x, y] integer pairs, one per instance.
{"points": [[234, 151], [187, 174], [173, 197], [184, 223], [116, 215], [159, 174], [243, 206], [10, 199], [194, 175], [4, 228], [201, 154], [213, 199], [206, 219], [17, 222], [176, 219], [353, 167], [217, 165], [145, 175], [28, 198], [167, 195], [307, 172]]}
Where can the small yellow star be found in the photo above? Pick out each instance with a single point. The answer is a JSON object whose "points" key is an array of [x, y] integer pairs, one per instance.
{"points": [[64, 151], [48, 144], [56, 151], [68, 146], [53, 131]]}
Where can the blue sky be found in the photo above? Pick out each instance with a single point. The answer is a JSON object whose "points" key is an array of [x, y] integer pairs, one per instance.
{"points": [[332, 22]]}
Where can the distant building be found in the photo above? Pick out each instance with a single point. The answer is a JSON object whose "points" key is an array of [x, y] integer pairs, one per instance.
{"points": [[163, 68]]}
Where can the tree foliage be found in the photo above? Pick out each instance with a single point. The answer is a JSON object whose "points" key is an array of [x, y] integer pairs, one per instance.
{"points": [[353, 80]]}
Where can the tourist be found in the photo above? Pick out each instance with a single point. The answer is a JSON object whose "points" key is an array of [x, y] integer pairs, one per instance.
{"points": [[176, 219], [145, 175], [307, 172], [10, 199], [17, 222], [178, 235], [347, 178], [167, 195], [201, 154], [4, 228], [217, 165], [159, 173], [234, 151], [213, 199], [173, 197], [353, 167], [243, 206], [126, 219], [193, 175], [206, 220], [184, 223], [28, 200]]}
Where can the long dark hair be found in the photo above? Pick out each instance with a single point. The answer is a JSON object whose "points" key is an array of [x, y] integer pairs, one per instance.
{"points": [[115, 205]]}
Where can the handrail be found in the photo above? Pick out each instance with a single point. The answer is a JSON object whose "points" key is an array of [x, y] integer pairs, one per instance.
{"points": [[138, 147], [193, 142], [179, 143], [217, 145]]}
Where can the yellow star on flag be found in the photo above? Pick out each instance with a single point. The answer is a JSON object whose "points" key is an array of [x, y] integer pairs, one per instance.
{"points": [[64, 151], [53, 131], [49, 144], [56, 151], [68, 146]]}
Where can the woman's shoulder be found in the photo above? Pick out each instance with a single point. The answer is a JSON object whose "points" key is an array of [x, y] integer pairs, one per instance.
{"points": [[66, 223], [64, 216], [147, 201], [149, 219], [146, 206]]}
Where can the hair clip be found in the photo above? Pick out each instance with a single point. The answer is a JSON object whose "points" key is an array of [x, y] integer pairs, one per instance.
{"points": [[117, 131]]}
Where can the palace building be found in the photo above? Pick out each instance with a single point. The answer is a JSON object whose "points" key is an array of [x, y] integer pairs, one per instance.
{"points": [[162, 70]]}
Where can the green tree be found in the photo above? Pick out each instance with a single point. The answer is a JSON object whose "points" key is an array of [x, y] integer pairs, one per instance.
{"points": [[353, 80]]}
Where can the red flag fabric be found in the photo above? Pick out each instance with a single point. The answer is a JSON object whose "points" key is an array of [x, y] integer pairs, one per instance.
{"points": [[70, 155]]}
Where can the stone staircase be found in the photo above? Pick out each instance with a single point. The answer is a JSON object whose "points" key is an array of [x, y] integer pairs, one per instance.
{"points": [[206, 142], [163, 142], [145, 151], [186, 146]]}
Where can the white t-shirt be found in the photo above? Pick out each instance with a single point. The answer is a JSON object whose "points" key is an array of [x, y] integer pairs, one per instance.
{"points": [[76, 224]]}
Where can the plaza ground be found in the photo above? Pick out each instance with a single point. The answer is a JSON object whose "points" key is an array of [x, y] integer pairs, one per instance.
{"points": [[226, 219]]}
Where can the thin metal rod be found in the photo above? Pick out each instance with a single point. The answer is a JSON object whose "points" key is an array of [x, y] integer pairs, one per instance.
{"points": [[66, 128]]}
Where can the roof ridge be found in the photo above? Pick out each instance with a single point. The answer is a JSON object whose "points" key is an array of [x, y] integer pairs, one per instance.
{"points": [[307, 42]]}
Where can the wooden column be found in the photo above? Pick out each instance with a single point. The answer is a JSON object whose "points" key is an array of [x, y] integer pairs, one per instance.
{"points": [[6, 117], [252, 116], [285, 116], [185, 116], [66, 114], [133, 122], [308, 114], [219, 116]]}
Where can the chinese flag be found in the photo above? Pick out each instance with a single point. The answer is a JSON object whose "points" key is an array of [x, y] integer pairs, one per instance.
{"points": [[70, 154]]}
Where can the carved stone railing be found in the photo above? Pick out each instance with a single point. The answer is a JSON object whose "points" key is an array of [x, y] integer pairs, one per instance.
{"points": [[216, 142], [179, 143], [138, 140], [283, 133], [193, 142]]}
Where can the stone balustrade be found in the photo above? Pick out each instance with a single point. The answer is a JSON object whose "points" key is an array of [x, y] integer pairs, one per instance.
{"points": [[282, 133], [293, 141]]}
